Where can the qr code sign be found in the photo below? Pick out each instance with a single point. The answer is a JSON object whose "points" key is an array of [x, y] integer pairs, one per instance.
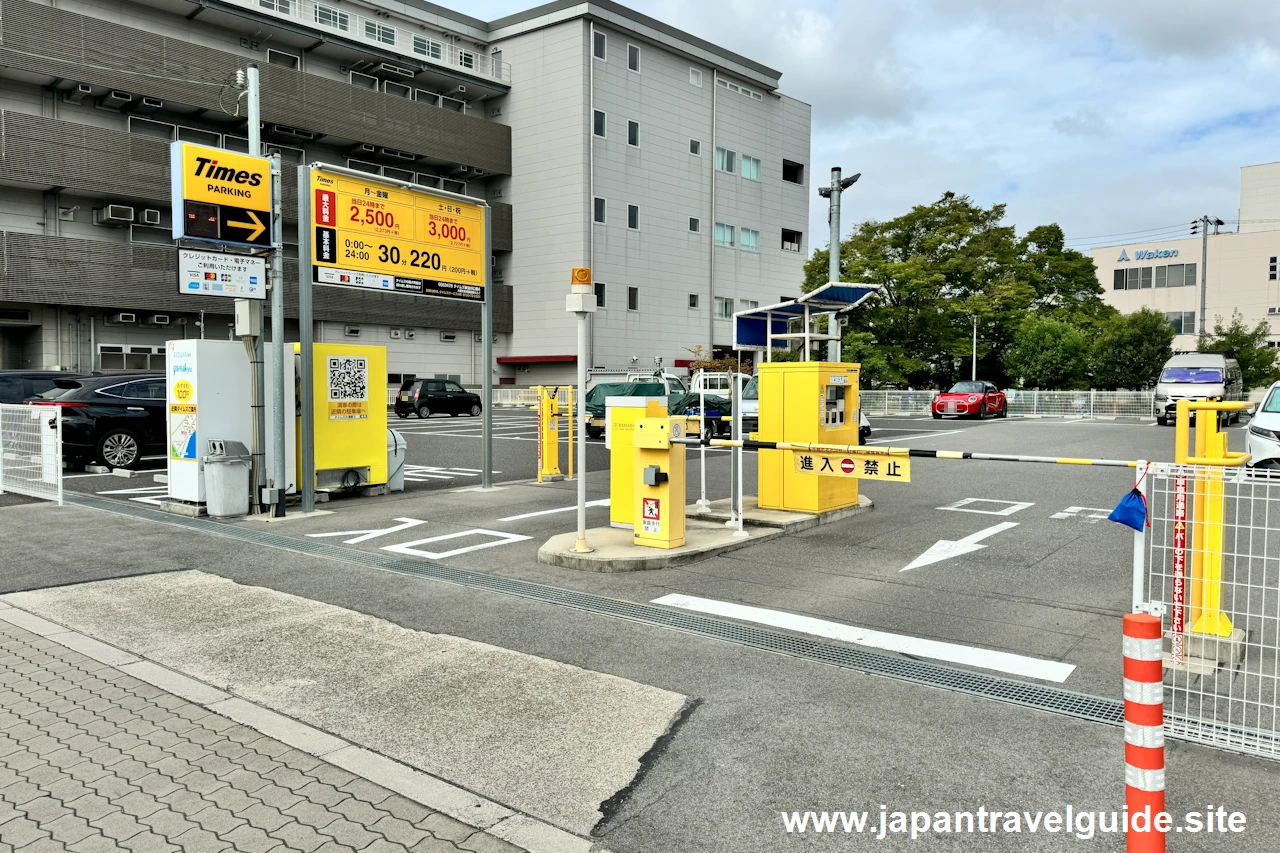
{"points": [[348, 378]]}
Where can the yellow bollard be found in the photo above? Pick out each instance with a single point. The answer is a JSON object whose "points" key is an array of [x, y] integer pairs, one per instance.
{"points": [[1208, 512], [548, 434]]}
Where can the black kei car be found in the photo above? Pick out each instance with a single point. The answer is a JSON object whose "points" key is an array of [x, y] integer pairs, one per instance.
{"points": [[427, 397], [114, 420]]}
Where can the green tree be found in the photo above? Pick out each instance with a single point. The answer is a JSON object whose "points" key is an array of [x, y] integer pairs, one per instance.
{"points": [[1257, 360], [1048, 353], [1131, 349], [940, 266]]}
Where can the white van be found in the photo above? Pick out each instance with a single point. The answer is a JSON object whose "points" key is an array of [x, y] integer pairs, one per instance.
{"points": [[1197, 376], [715, 383]]}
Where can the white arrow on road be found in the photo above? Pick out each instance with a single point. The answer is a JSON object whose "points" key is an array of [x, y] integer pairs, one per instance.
{"points": [[945, 549]]}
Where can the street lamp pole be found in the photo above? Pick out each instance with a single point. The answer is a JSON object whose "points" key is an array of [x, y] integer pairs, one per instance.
{"points": [[832, 193], [974, 366]]}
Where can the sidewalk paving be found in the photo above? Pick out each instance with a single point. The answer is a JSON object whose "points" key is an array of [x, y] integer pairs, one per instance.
{"points": [[93, 760]]}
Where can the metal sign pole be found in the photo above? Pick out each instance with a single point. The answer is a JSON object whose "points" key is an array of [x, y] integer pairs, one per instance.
{"points": [[486, 358], [258, 379], [306, 384], [276, 277]]}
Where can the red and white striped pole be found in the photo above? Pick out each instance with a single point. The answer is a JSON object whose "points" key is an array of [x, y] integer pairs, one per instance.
{"points": [[1143, 733]]}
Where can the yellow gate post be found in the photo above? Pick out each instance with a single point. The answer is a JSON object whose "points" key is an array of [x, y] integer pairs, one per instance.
{"points": [[547, 408], [1208, 511]]}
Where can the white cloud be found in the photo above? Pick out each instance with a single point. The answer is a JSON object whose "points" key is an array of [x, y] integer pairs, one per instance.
{"points": [[1103, 116]]}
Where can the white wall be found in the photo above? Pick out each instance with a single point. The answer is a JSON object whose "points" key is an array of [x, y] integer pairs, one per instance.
{"points": [[1260, 197]]}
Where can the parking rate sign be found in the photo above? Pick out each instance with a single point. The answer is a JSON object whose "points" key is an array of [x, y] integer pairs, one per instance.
{"points": [[220, 196], [376, 236]]}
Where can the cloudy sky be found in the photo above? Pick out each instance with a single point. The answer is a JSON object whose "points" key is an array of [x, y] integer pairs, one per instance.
{"points": [[1105, 116]]}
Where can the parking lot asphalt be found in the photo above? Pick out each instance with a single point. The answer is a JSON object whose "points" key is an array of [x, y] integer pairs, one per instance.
{"points": [[1049, 585]]}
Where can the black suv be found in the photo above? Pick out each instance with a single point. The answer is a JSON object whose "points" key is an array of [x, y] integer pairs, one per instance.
{"points": [[427, 397], [18, 385], [114, 420]]}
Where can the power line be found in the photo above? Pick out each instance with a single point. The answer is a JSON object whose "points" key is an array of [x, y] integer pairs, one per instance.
{"points": [[1126, 233]]}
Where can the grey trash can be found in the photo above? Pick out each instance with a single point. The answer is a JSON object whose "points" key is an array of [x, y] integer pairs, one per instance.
{"points": [[396, 447], [226, 479]]}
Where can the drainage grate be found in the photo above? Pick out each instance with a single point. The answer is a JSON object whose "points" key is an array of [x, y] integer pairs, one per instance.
{"points": [[1098, 709]]}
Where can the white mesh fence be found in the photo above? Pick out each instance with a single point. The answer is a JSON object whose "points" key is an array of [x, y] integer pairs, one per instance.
{"points": [[1213, 576], [1081, 404], [31, 451]]}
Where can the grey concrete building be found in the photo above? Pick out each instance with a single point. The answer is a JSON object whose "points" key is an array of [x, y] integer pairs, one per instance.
{"points": [[593, 131]]}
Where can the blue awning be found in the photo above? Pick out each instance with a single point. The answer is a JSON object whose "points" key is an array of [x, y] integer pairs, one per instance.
{"points": [[753, 328]]}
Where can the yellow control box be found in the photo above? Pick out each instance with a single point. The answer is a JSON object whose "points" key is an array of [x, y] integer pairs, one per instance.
{"points": [[659, 497], [349, 396], [622, 460], [806, 402]]}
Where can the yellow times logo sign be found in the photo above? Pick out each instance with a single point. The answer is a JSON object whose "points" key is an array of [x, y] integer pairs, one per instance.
{"points": [[219, 195]]}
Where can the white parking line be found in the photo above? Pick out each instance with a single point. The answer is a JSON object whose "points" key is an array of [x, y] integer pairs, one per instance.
{"points": [[914, 437], [1028, 667], [602, 502], [966, 505]]}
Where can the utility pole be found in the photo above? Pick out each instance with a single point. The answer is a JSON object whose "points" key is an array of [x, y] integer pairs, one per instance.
{"points": [[1201, 226], [832, 193]]}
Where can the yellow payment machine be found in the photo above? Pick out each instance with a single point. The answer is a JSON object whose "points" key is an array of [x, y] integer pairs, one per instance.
{"points": [[349, 387], [622, 413], [659, 482], [806, 402]]}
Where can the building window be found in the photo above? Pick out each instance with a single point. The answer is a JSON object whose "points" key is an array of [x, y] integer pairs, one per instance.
{"points": [[466, 59], [1272, 274], [792, 173], [428, 47], [725, 160], [750, 167], [748, 304], [633, 58], [633, 216], [379, 32], [741, 90], [633, 133], [695, 147], [724, 235], [279, 57], [633, 299], [724, 307], [1189, 275], [331, 17], [1184, 322], [600, 294], [601, 46], [597, 122], [147, 234], [750, 240], [1117, 280], [599, 211], [284, 7], [695, 225], [695, 77], [791, 240], [693, 300]]}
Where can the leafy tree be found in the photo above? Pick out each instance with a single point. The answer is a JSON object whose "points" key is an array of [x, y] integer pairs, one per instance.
{"points": [[1048, 353], [1257, 360], [940, 266], [1131, 349]]}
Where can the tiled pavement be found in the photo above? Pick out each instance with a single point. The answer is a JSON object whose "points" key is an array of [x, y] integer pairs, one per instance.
{"points": [[91, 759]]}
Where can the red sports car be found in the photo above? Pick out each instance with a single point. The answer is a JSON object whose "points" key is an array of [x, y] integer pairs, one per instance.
{"points": [[973, 399]]}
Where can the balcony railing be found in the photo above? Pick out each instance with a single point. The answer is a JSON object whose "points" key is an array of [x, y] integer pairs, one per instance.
{"points": [[380, 33]]}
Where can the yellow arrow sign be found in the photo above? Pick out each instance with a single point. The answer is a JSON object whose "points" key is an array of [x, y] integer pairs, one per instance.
{"points": [[254, 228]]}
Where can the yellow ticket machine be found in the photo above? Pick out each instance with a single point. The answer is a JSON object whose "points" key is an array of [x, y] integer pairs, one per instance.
{"points": [[806, 402], [621, 415], [659, 482], [349, 387]]}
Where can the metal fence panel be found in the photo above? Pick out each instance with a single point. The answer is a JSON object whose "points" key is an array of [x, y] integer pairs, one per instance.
{"points": [[31, 451], [1214, 577], [1082, 404]]}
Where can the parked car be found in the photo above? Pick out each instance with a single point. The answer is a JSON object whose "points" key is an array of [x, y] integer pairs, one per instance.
{"points": [[971, 399], [112, 420], [427, 397], [1197, 376], [1262, 439], [19, 385]]}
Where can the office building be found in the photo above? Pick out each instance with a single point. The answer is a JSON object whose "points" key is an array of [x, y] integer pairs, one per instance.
{"points": [[1238, 269]]}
